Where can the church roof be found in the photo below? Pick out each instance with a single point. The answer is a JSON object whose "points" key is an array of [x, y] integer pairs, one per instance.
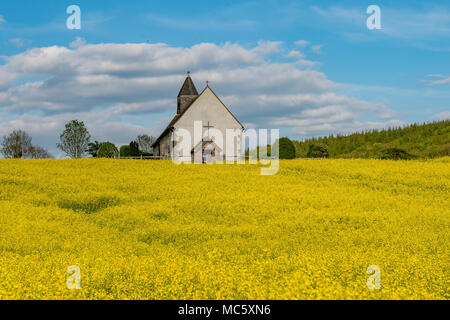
{"points": [[177, 117], [188, 88]]}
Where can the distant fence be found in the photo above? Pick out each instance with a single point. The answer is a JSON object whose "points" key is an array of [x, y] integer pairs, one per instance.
{"points": [[168, 158], [141, 158]]}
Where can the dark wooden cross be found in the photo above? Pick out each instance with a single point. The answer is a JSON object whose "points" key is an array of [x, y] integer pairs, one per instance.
{"points": [[208, 126]]}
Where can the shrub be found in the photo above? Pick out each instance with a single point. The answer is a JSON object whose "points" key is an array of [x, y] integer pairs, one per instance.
{"points": [[318, 151], [286, 148], [107, 150], [134, 149], [93, 148], [396, 154], [125, 151]]}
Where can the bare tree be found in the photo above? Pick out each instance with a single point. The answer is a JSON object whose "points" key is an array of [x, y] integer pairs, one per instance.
{"points": [[37, 152], [16, 145], [145, 143], [74, 139]]}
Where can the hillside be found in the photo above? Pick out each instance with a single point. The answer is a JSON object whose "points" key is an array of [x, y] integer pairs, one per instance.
{"points": [[428, 140]]}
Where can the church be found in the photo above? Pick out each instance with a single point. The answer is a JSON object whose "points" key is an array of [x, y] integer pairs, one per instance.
{"points": [[212, 132]]}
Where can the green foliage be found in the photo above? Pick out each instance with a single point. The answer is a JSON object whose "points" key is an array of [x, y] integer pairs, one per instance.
{"points": [[134, 149], [125, 151], [89, 205], [428, 140], [318, 151], [396, 154], [107, 150], [93, 148], [74, 141], [286, 148]]}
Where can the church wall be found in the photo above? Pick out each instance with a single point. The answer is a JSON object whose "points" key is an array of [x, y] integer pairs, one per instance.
{"points": [[165, 146], [206, 108]]}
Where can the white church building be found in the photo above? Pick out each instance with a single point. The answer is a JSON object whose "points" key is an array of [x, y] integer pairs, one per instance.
{"points": [[214, 132]]}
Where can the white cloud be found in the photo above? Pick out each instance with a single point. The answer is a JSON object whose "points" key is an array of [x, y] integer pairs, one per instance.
{"points": [[295, 54], [18, 42], [120, 90], [78, 42], [2, 19], [437, 79], [441, 116], [301, 43]]}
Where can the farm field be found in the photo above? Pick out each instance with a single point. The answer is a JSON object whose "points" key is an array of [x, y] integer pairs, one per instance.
{"points": [[155, 230]]}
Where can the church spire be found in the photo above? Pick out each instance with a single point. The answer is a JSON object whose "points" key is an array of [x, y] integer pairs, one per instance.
{"points": [[186, 95]]}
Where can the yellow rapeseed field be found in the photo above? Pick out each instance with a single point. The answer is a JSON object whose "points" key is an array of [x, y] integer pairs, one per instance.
{"points": [[156, 230]]}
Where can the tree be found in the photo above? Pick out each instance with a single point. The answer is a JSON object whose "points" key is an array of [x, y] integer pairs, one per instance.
{"points": [[107, 150], [74, 139], [145, 143], [16, 145], [318, 151], [134, 149], [286, 149], [37, 152], [396, 154], [125, 151], [93, 148]]}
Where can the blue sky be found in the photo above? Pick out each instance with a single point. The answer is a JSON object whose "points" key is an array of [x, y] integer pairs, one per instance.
{"points": [[307, 67]]}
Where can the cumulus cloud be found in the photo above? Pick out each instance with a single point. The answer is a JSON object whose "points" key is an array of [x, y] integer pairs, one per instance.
{"points": [[121, 90], [78, 42], [295, 54]]}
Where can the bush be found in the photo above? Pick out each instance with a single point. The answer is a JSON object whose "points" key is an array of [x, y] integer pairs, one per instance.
{"points": [[125, 151], [286, 148], [318, 151], [396, 154], [107, 150], [134, 149], [146, 154]]}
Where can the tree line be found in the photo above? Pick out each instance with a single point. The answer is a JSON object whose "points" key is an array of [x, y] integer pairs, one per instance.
{"points": [[75, 142], [426, 140], [416, 141]]}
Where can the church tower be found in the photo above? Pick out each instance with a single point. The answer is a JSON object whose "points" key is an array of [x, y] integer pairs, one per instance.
{"points": [[188, 93]]}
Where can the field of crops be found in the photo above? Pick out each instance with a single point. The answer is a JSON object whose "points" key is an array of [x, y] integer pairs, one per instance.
{"points": [[155, 230]]}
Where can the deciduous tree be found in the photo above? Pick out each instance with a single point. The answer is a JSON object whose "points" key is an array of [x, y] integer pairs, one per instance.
{"points": [[16, 145], [74, 140]]}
